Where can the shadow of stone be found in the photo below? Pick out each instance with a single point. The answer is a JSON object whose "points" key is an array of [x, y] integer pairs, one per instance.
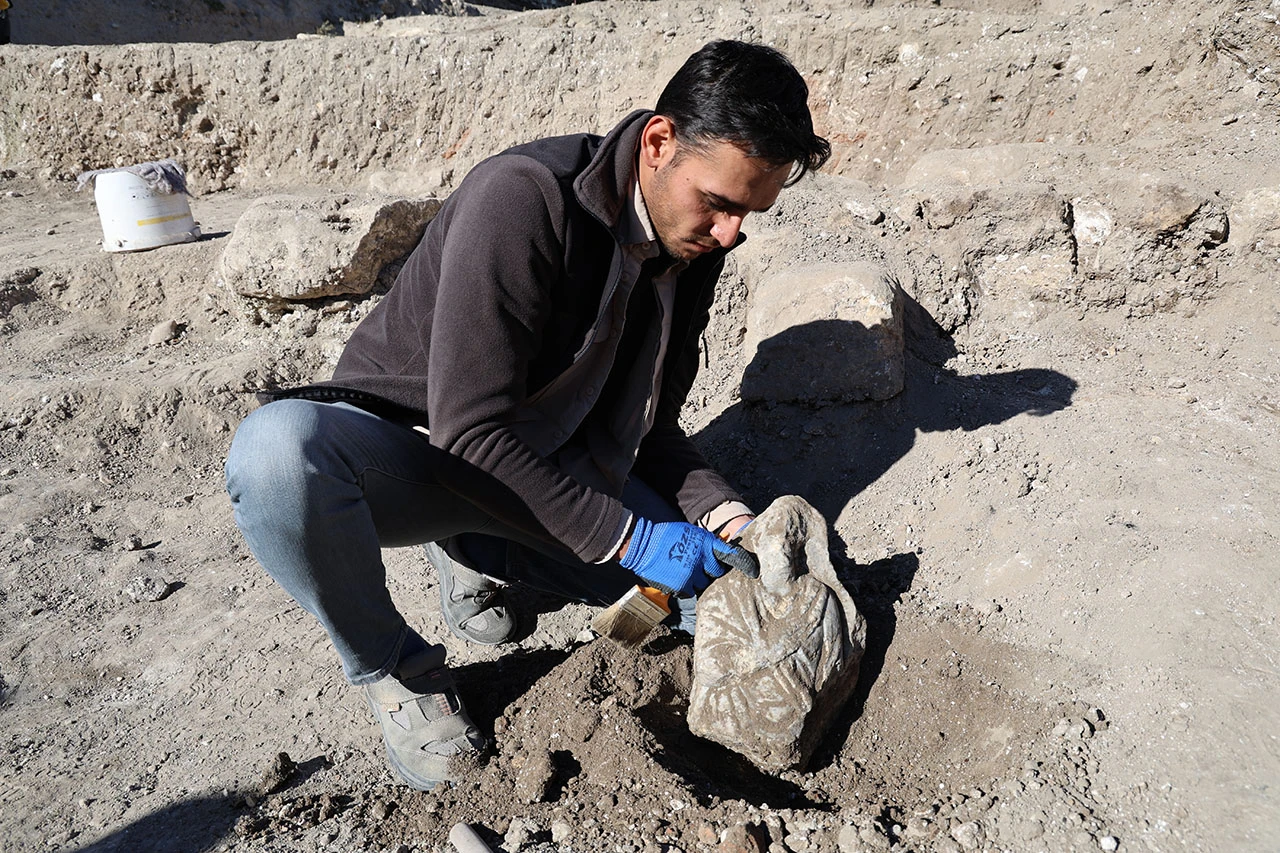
{"points": [[876, 588], [567, 768], [308, 768], [828, 453], [187, 826], [711, 770], [490, 686]]}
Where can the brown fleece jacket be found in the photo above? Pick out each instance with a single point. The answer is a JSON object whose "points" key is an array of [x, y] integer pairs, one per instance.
{"points": [[508, 287]]}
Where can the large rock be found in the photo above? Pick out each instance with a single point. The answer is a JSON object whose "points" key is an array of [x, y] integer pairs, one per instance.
{"points": [[1143, 240], [825, 333], [1005, 248], [978, 166], [1255, 221], [295, 248], [775, 658]]}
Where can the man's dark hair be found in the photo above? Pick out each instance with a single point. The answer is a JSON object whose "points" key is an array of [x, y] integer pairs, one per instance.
{"points": [[747, 94]]}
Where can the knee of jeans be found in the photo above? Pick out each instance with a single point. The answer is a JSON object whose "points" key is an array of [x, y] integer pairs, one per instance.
{"points": [[269, 450]]}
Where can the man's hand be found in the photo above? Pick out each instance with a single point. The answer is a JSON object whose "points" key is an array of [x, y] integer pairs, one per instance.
{"points": [[681, 558]]}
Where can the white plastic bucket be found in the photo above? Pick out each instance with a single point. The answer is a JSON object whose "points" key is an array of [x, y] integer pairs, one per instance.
{"points": [[134, 216]]}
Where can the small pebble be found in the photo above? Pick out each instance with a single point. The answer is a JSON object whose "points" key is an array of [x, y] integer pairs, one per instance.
{"points": [[519, 832], [796, 842], [741, 839], [278, 774], [1108, 842], [873, 836], [163, 333], [146, 589], [917, 827], [968, 835]]}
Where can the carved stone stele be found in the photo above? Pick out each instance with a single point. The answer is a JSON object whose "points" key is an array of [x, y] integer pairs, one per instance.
{"points": [[775, 658]]}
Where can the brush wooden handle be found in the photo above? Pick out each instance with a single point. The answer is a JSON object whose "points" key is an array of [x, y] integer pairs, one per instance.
{"points": [[655, 595]]}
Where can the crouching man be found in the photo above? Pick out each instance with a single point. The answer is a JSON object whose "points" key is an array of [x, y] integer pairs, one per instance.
{"points": [[513, 403]]}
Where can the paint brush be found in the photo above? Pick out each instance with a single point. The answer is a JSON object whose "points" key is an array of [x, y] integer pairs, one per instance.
{"points": [[630, 619]]}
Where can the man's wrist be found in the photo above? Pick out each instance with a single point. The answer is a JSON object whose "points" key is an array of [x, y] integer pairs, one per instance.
{"points": [[621, 536], [733, 526], [628, 530]]}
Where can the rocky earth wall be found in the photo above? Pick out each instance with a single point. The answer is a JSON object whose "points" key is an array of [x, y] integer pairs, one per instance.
{"points": [[428, 96], [1001, 192]]}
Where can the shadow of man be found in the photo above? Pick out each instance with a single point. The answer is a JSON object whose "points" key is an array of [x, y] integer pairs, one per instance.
{"points": [[186, 826], [828, 451]]}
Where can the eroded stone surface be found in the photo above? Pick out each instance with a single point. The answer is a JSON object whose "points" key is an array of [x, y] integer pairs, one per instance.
{"points": [[295, 248], [775, 658], [825, 332]]}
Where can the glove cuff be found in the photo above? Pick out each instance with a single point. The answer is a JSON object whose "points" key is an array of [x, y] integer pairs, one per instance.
{"points": [[639, 541]]}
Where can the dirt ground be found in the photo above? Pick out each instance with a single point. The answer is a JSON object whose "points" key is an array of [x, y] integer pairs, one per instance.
{"points": [[1062, 532]]}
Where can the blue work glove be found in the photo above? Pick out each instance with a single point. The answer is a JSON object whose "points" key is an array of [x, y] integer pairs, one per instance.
{"points": [[681, 558]]}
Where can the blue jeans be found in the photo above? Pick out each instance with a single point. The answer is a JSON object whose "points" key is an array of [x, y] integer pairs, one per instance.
{"points": [[319, 489]]}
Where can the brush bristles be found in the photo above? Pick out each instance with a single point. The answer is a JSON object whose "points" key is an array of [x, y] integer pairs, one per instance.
{"points": [[630, 619]]}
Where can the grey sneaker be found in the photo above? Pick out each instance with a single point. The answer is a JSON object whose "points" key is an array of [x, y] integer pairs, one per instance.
{"points": [[474, 605], [428, 735]]}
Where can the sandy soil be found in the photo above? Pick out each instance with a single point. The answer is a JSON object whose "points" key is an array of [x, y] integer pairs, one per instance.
{"points": [[1062, 532]]}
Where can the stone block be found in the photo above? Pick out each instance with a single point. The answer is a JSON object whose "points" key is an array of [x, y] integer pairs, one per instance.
{"points": [[978, 166], [825, 333], [295, 248], [1255, 220], [1143, 239], [776, 657]]}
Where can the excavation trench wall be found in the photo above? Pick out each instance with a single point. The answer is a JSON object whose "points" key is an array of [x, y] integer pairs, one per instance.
{"points": [[425, 98]]}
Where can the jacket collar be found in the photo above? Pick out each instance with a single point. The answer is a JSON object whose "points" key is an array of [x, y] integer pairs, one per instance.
{"points": [[602, 187]]}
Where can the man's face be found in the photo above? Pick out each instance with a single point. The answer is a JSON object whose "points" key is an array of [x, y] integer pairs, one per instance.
{"points": [[698, 197]]}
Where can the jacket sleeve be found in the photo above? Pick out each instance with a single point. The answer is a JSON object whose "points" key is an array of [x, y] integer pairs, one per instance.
{"points": [[668, 461], [502, 249]]}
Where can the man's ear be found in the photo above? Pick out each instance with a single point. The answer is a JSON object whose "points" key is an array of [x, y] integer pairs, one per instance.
{"points": [[657, 142]]}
